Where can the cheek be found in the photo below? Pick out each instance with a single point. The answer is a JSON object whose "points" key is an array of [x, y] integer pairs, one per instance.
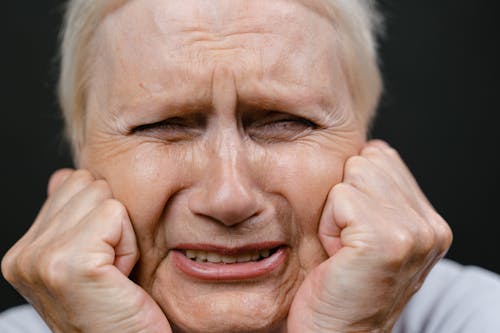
{"points": [[304, 176], [143, 179]]}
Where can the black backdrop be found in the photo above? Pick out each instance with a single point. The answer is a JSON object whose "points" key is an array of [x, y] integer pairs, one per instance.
{"points": [[441, 66]]}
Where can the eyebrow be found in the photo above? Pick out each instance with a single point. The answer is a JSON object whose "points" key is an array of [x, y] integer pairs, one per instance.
{"points": [[272, 95], [292, 98], [312, 106], [164, 103]]}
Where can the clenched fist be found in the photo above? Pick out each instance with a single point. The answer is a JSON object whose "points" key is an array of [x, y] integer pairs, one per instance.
{"points": [[382, 237], [72, 265]]}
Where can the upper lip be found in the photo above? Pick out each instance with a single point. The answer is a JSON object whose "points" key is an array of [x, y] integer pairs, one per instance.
{"points": [[229, 250]]}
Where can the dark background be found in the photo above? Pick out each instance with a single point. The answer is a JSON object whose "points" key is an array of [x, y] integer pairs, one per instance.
{"points": [[441, 66]]}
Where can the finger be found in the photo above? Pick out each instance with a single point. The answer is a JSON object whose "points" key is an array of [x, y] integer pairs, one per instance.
{"points": [[389, 160], [108, 233], [329, 231], [367, 177], [385, 156], [390, 163], [444, 234], [57, 179], [126, 250], [352, 218], [63, 192], [345, 207], [79, 206], [74, 184]]}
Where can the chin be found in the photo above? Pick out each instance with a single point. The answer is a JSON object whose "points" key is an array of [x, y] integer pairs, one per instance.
{"points": [[227, 310], [195, 306]]}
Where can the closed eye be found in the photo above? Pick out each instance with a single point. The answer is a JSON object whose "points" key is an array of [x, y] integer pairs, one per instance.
{"points": [[160, 125], [278, 127], [172, 129]]}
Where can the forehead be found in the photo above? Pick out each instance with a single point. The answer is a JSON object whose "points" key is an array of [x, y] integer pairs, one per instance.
{"points": [[163, 46]]}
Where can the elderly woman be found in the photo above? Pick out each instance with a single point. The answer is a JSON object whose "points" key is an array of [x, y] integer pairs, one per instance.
{"points": [[225, 183]]}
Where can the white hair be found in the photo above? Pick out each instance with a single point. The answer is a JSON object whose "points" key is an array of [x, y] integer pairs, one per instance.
{"points": [[357, 24]]}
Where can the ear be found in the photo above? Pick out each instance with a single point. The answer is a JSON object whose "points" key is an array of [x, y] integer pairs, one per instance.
{"points": [[57, 179]]}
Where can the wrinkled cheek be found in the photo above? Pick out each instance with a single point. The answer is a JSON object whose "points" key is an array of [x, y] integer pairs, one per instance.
{"points": [[305, 178], [145, 180]]}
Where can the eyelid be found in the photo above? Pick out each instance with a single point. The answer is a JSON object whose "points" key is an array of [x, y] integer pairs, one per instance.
{"points": [[279, 127], [157, 124], [301, 120], [190, 121], [261, 117], [285, 117]]}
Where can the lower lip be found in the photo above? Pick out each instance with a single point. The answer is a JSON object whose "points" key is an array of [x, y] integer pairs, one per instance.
{"points": [[228, 272]]}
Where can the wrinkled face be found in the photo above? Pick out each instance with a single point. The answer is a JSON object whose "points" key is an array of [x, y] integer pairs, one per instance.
{"points": [[221, 126]]}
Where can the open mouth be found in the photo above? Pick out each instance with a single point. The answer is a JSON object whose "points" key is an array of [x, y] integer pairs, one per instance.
{"points": [[214, 257], [211, 263]]}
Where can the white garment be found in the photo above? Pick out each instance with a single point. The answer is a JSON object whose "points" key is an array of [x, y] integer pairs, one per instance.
{"points": [[453, 299], [22, 319]]}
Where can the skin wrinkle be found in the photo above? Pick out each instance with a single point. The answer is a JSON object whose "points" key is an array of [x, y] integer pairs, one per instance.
{"points": [[151, 93], [278, 58], [205, 37], [323, 9], [178, 192]]}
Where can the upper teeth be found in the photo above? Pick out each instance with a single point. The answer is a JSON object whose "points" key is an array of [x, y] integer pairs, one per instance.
{"points": [[204, 256]]}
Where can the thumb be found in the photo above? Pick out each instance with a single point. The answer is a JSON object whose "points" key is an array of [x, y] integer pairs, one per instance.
{"points": [[329, 231], [57, 179]]}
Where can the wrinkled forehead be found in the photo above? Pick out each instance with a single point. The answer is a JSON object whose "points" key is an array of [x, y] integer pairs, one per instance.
{"points": [[180, 24], [218, 13], [283, 40]]}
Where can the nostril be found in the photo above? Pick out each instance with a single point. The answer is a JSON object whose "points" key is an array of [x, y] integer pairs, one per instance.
{"points": [[226, 193], [227, 206]]}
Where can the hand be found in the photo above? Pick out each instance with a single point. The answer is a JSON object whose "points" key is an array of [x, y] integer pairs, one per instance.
{"points": [[72, 265], [382, 237]]}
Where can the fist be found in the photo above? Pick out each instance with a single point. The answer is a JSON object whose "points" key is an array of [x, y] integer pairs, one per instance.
{"points": [[382, 237], [72, 265]]}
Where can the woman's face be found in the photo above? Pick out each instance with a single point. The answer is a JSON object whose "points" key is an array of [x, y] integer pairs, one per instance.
{"points": [[221, 126]]}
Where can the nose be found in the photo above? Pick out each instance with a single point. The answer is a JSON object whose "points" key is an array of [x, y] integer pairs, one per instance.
{"points": [[226, 194]]}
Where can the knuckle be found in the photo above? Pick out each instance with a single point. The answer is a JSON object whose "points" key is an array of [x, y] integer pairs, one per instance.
{"points": [[356, 164], [371, 151], [445, 235], [101, 188], [448, 237], [355, 170], [17, 264], [22, 260], [401, 245], [8, 266], [82, 178], [341, 191], [378, 143], [342, 203], [53, 270], [391, 151], [112, 208], [427, 238], [34, 265]]}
